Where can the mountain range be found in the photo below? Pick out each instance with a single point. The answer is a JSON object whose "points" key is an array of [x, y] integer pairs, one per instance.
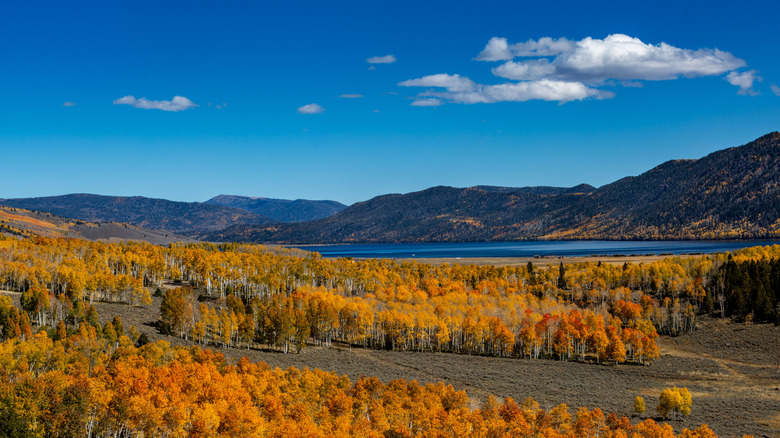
{"points": [[281, 210], [731, 193]]}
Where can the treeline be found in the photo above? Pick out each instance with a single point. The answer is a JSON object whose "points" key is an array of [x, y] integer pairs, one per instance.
{"points": [[289, 298], [747, 290], [84, 385], [36, 314], [519, 324], [75, 269]]}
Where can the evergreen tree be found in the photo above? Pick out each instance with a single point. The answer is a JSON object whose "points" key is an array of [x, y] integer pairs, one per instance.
{"points": [[562, 277]]}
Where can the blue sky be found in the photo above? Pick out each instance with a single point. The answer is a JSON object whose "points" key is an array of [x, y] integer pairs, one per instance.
{"points": [[87, 92]]}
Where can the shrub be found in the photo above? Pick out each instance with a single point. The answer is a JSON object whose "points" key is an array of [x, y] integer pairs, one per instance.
{"points": [[639, 405]]}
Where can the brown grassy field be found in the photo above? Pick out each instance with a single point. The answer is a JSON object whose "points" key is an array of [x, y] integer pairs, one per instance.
{"points": [[731, 370]]}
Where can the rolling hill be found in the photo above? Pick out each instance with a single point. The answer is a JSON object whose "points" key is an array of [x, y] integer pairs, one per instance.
{"points": [[731, 193], [190, 218], [282, 210], [25, 223]]}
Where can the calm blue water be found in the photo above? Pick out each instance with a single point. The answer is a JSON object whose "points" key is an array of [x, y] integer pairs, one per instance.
{"points": [[530, 249]]}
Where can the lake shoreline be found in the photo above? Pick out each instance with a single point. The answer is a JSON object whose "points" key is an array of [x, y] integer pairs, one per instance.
{"points": [[542, 261], [538, 252]]}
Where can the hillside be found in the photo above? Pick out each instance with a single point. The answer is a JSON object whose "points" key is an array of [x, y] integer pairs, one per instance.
{"points": [[159, 214], [281, 210], [26, 223], [731, 193], [435, 214]]}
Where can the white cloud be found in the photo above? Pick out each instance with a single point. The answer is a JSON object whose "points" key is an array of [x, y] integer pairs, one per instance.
{"points": [[775, 89], [454, 83], [178, 103], [427, 102], [542, 47], [528, 70], [387, 59], [544, 89], [744, 81], [460, 89], [351, 96], [311, 108], [615, 57], [497, 49], [563, 70], [66, 104]]}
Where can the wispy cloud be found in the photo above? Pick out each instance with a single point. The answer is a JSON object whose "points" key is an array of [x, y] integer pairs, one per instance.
{"points": [[775, 89], [387, 59], [429, 101], [744, 81], [311, 108], [67, 104], [562, 70], [178, 103], [351, 96]]}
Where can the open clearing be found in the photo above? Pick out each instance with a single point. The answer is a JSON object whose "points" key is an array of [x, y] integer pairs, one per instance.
{"points": [[731, 370]]}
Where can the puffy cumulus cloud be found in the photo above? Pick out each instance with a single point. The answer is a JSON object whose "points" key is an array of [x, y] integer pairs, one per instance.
{"points": [[178, 103], [311, 108], [459, 89], [617, 56], [387, 59], [563, 70], [351, 96], [775, 89], [67, 104], [744, 81]]}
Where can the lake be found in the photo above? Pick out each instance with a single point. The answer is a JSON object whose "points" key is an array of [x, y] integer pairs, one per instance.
{"points": [[575, 248]]}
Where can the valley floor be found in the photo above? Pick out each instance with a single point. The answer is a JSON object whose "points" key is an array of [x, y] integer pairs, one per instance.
{"points": [[731, 370]]}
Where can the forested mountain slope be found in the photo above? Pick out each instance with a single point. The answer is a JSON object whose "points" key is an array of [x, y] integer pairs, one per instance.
{"points": [[435, 214], [159, 214], [282, 210], [731, 193]]}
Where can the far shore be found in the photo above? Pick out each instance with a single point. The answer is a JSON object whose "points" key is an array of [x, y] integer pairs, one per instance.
{"points": [[544, 261]]}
